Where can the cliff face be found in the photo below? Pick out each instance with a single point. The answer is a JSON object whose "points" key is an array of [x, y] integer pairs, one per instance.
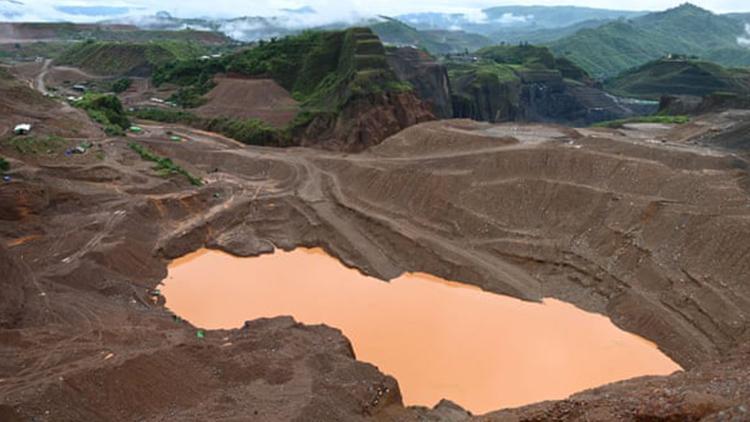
{"points": [[428, 77], [693, 105], [540, 96], [366, 121], [486, 100]]}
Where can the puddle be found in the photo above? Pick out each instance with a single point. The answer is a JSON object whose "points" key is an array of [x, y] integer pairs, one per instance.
{"points": [[439, 339]]}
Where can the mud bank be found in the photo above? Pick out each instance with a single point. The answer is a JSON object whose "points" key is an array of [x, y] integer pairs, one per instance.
{"points": [[652, 234], [439, 339]]}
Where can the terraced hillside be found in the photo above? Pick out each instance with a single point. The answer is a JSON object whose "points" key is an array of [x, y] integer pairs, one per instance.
{"points": [[348, 95], [680, 76]]}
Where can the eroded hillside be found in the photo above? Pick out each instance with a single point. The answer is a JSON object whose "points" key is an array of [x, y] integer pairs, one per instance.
{"points": [[652, 234]]}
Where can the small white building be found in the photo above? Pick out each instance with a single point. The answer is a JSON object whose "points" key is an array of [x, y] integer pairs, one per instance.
{"points": [[22, 129]]}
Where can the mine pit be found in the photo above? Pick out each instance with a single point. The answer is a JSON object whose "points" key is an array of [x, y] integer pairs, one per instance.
{"points": [[440, 339]]}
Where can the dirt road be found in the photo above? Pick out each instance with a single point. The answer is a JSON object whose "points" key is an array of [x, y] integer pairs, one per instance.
{"points": [[39, 80], [655, 237]]}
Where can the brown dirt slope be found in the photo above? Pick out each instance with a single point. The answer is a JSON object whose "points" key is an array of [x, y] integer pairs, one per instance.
{"points": [[244, 98], [19, 103], [653, 234]]}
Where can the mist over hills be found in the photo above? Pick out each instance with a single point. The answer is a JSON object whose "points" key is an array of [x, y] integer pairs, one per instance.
{"points": [[619, 45], [535, 24], [492, 20], [603, 42]]}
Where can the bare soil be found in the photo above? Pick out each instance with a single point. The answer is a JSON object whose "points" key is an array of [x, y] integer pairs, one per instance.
{"points": [[244, 98], [20, 104], [652, 231]]}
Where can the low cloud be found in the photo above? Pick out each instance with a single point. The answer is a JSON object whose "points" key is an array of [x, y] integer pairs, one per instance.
{"points": [[743, 41], [476, 16], [510, 18], [54, 11]]}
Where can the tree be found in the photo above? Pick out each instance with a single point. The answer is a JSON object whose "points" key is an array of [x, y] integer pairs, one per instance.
{"points": [[121, 85]]}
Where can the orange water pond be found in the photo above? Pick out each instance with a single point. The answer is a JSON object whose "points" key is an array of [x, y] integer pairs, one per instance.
{"points": [[439, 339]]}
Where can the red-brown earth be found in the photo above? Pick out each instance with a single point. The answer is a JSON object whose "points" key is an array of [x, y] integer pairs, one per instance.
{"points": [[646, 225], [246, 98]]}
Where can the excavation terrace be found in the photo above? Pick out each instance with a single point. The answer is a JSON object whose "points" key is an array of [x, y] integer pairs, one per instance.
{"points": [[648, 225]]}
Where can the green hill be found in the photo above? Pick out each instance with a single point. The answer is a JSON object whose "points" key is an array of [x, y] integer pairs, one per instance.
{"points": [[323, 70], [688, 30], [491, 88], [335, 75], [528, 58], [557, 16], [541, 35], [679, 76], [125, 58], [66, 31], [392, 31]]}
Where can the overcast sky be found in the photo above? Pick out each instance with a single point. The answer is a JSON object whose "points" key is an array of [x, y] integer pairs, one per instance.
{"points": [[337, 9]]}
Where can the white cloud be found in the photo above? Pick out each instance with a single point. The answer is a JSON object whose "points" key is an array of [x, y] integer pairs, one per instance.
{"points": [[336, 10], [745, 41], [510, 18], [476, 16]]}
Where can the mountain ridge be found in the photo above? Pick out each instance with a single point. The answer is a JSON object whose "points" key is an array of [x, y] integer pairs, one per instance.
{"points": [[688, 29]]}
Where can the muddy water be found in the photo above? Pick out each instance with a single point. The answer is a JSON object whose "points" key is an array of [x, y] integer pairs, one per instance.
{"points": [[439, 339]]}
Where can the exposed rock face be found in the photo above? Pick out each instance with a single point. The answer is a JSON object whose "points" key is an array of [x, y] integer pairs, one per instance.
{"points": [[679, 104], [366, 121], [541, 97], [694, 105], [428, 77], [490, 101]]}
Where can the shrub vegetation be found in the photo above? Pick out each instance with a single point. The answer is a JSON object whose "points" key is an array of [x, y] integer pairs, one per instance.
{"points": [[106, 110], [667, 120], [164, 166], [323, 70]]}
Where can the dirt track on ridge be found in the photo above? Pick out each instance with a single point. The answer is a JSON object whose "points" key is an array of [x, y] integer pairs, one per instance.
{"points": [[653, 234]]}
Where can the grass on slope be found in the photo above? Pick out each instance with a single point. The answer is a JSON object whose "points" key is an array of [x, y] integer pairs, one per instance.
{"points": [[36, 145], [165, 167], [506, 63], [666, 120], [324, 71], [490, 87], [66, 31], [482, 71], [679, 76], [30, 51], [4, 165], [249, 131], [124, 58]]}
